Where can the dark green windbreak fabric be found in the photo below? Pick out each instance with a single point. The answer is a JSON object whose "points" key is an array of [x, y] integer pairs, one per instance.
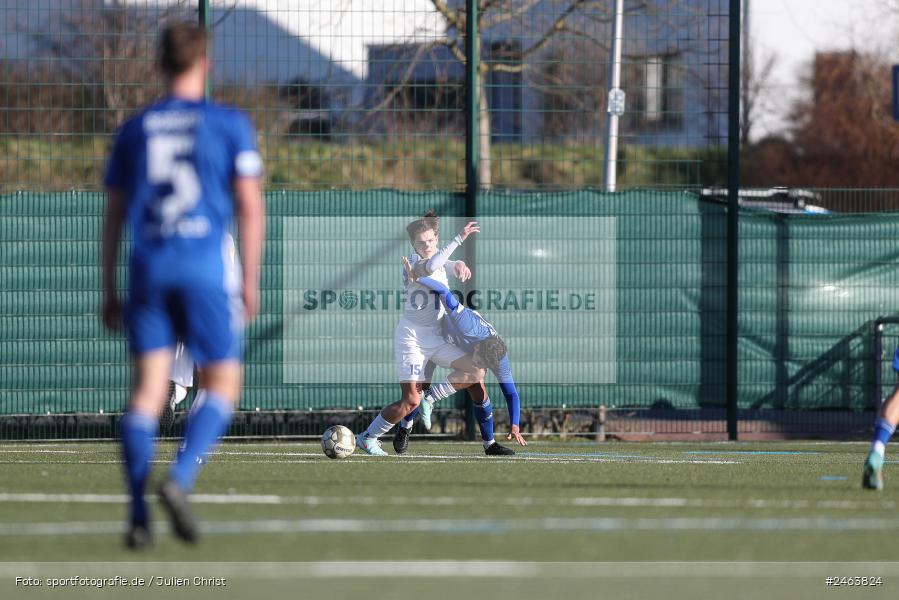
{"points": [[810, 287]]}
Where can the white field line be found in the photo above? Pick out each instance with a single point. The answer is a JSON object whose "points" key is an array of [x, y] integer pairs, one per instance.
{"points": [[466, 501], [447, 568], [284, 458], [475, 526], [41, 451]]}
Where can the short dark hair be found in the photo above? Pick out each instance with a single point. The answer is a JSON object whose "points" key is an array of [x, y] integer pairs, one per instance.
{"points": [[430, 220], [492, 350], [181, 45]]}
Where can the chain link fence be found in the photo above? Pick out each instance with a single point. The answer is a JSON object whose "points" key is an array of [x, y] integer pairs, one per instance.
{"points": [[359, 94]]}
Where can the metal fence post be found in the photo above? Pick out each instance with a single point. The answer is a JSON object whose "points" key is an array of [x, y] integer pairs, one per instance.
{"points": [[616, 101], [733, 208], [472, 178], [203, 12]]}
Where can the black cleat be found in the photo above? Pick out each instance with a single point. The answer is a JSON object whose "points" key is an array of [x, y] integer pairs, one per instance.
{"points": [[138, 538], [174, 500], [167, 419], [495, 449], [401, 439]]}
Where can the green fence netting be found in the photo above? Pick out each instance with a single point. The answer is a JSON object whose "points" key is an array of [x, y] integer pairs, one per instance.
{"points": [[811, 285]]}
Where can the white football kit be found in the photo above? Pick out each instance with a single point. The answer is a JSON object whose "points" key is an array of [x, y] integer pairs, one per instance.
{"points": [[183, 366], [418, 337]]}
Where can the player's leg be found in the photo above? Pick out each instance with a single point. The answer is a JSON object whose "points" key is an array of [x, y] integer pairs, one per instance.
{"points": [[483, 414], [884, 428], [465, 373], [211, 323], [182, 379], [208, 421], [437, 391], [138, 433], [151, 339], [404, 428], [428, 392], [199, 399], [369, 440], [410, 350]]}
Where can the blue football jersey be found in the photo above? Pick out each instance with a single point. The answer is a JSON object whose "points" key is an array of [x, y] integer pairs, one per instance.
{"points": [[467, 327], [176, 163]]}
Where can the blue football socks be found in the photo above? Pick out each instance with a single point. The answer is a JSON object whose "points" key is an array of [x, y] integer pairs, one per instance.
{"points": [[207, 423], [138, 431], [883, 431], [483, 413], [409, 419]]}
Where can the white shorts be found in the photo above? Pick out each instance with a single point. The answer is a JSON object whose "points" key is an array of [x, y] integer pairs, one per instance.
{"points": [[183, 367], [413, 347]]}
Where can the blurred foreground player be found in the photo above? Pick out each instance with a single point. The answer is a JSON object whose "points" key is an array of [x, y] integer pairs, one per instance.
{"points": [[176, 171]]}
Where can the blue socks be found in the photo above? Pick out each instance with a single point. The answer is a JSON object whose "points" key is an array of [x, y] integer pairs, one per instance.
{"points": [[483, 413], [409, 419], [883, 431], [207, 423], [138, 433]]}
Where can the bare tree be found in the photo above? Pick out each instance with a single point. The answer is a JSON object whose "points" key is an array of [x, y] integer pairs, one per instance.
{"points": [[840, 133], [537, 27], [552, 28], [110, 45], [755, 77]]}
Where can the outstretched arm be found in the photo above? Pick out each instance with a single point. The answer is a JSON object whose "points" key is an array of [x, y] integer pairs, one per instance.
{"points": [[111, 311], [443, 292], [436, 262], [507, 385]]}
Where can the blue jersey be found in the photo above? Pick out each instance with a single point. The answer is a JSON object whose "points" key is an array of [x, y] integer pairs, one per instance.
{"points": [[176, 163], [465, 328]]}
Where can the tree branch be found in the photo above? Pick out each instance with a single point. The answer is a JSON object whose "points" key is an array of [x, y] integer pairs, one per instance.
{"points": [[407, 74], [556, 27], [505, 12], [452, 17]]}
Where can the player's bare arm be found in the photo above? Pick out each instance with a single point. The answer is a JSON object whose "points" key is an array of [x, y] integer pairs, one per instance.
{"points": [[251, 223], [111, 310], [515, 434], [439, 259]]}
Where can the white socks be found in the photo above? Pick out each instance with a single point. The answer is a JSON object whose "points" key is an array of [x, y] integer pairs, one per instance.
{"points": [[180, 393], [444, 389], [378, 427]]}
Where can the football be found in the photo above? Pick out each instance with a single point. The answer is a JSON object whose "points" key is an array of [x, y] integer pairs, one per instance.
{"points": [[338, 442]]}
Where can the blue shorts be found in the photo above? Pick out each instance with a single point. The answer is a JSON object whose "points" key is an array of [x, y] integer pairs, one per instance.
{"points": [[209, 320], [896, 360]]}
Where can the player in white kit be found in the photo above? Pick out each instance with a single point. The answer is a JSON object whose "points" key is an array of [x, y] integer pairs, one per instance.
{"points": [[180, 382], [419, 336]]}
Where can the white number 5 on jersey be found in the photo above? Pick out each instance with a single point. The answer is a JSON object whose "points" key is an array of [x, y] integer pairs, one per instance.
{"points": [[166, 163]]}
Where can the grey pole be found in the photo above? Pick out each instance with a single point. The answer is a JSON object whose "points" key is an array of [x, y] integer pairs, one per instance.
{"points": [[616, 101]]}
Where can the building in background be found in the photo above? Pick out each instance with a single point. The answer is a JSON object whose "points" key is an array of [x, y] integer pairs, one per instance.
{"points": [[386, 67]]}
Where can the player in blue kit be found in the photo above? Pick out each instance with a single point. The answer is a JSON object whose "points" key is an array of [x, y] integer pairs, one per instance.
{"points": [[176, 173], [884, 428], [472, 333]]}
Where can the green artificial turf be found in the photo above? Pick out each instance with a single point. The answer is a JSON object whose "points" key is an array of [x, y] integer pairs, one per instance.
{"points": [[753, 508]]}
